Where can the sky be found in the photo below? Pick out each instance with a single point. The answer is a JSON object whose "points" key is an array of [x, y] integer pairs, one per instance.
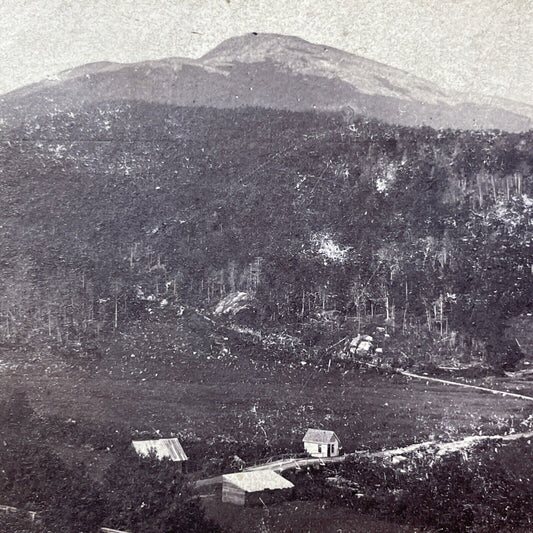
{"points": [[473, 46]]}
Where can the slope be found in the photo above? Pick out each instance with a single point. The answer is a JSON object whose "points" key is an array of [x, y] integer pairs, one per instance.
{"points": [[135, 203]]}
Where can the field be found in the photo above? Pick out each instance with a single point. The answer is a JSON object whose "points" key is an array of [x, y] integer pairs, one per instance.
{"points": [[257, 402], [298, 517]]}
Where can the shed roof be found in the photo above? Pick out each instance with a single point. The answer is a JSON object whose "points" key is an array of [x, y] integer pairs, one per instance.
{"points": [[257, 480], [320, 436], [169, 448]]}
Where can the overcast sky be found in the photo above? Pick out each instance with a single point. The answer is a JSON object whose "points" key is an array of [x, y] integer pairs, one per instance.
{"points": [[481, 46]]}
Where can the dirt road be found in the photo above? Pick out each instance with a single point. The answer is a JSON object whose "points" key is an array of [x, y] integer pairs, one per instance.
{"points": [[438, 448], [465, 385]]}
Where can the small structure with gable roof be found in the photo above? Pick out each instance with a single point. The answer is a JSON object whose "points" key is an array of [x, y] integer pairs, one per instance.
{"points": [[321, 443], [259, 487], [162, 449]]}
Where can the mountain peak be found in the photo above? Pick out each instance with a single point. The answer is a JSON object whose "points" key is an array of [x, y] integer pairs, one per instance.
{"points": [[258, 41], [273, 71], [257, 47]]}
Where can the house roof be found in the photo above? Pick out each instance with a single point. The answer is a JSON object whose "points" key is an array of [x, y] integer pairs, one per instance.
{"points": [[320, 436], [169, 448], [257, 481]]}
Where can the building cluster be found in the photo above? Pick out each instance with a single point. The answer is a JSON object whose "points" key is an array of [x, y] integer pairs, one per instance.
{"points": [[248, 487]]}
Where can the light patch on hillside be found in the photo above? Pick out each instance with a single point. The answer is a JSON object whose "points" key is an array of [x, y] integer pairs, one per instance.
{"points": [[328, 248], [58, 150], [512, 214], [386, 179], [528, 202]]}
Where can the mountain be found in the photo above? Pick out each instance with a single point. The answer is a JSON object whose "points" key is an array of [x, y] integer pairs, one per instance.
{"points": [[115, 199], [269, 71]]}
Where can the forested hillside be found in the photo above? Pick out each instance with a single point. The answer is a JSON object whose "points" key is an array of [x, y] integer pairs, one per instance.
{"points": [[125, 206]]}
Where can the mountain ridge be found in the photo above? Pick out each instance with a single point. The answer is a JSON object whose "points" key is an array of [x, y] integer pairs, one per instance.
{"points": [[270, 71]]}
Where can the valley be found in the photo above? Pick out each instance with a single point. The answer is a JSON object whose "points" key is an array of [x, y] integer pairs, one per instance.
{"points": [[254, 406]]}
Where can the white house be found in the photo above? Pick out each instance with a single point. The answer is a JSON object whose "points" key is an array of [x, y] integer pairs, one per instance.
{"points": [[261, 487], [161, 448], [321, 443]]}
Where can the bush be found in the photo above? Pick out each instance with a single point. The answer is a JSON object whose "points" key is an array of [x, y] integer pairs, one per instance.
{"points": [[146, 495], [486, 493]]}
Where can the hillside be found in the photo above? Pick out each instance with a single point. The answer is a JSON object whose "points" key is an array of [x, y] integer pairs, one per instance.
{"points": [[269, 71], [117, 208]]}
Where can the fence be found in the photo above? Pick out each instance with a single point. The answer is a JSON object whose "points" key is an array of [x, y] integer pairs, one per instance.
{"points": [[32, 515]]}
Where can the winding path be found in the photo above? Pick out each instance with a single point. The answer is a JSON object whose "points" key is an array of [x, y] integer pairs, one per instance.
{"points": [[439, 448], [466, 385]]}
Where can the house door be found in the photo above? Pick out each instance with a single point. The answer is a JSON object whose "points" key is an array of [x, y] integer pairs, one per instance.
{"points": [[329, 450]]}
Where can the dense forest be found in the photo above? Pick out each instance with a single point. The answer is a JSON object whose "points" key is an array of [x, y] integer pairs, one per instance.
{"points": [[125, 206]]}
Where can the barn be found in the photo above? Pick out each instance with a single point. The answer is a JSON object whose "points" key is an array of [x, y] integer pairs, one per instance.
{"points": [[161, 448], [261, 487], [321, 443]]}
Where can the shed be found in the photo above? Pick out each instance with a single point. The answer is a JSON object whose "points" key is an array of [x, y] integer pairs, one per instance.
{"points": [[321, 443], [255, 488], [162, 448]]}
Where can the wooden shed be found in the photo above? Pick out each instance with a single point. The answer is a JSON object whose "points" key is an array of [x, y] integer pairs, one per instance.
{"points": [[161, 448], [321, 443], [261, 487]]}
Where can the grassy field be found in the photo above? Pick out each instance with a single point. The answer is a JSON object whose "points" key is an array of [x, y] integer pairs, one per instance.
{"points": [[159, 381], [263, 403]]}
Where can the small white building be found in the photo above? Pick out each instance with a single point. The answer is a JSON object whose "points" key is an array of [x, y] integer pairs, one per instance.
{"points": [[259, 487], [321, 443], [161, 448]]}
